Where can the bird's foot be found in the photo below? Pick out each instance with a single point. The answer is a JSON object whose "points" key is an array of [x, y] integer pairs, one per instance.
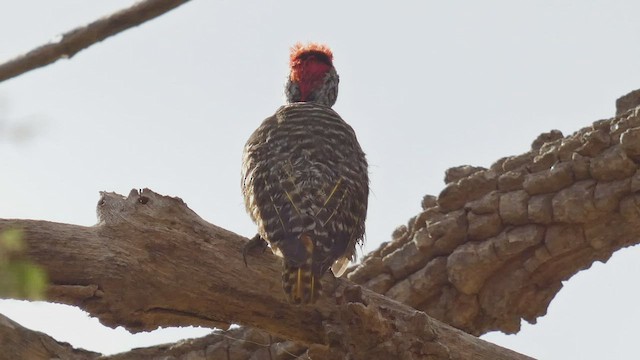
{"points": [[256, 242]]}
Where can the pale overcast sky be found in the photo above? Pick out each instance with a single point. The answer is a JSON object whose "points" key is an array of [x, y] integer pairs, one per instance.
{"points": [[427, 85]]}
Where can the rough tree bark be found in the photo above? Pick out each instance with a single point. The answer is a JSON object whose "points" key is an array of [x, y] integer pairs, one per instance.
{"points": [[494, 247], [17, 342], [513, 231], [490, 250], [151, 261], [544, 229]]}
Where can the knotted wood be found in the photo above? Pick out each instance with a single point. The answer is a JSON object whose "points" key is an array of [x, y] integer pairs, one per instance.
{"points": [[151, 261]]}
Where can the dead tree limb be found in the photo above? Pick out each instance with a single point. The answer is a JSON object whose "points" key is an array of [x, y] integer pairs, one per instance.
{"points": [[72, 42], [603, 156], [17, 342], [494, 247], [151, 261]]}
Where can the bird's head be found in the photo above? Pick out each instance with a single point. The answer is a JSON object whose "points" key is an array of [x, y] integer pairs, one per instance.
{"points": [[312, 77]]}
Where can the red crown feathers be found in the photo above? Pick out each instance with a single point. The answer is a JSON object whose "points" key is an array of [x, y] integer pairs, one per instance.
{"points": [[299, 50]]}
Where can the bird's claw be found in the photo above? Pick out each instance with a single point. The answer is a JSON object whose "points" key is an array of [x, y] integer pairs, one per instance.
{"points": [[256, 242]]}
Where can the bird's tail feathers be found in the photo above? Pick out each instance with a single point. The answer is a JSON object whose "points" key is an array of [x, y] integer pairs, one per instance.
{"points": [[300, 284], [299, 280]]}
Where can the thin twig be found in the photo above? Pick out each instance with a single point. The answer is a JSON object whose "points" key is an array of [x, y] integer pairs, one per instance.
{"points": [[82, 37]]}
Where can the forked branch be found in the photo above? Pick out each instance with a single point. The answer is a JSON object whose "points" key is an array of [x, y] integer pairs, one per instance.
{"points": [[151, 261]]}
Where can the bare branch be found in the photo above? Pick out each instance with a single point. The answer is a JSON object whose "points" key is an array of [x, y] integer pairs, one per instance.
{"points": [[151, 262], [494, 247], [21, 343], [82, 37], [18, 342]]}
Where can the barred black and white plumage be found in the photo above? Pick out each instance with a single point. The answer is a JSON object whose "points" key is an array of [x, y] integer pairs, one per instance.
{"points": [[305, 183]]}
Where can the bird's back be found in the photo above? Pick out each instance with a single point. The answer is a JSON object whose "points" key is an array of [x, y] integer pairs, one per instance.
{"points": [[305, 184]]}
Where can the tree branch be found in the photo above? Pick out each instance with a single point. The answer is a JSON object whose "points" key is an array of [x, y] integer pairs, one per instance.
{"points": [[494, 247], [561, 206], [151, 262], [21, 343], [82, 37]]}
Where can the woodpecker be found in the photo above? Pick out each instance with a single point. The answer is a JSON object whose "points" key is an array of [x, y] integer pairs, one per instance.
{"points": [[305, 178]]}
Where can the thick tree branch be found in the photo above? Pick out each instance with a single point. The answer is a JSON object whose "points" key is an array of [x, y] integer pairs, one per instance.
{"points": [[151, 262], [17, 342], [82, 37], [494, 247], [607, 213]]}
